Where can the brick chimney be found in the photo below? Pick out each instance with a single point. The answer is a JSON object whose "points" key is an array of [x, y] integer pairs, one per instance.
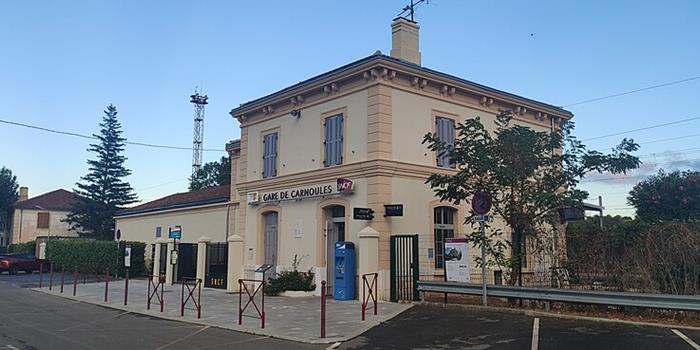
{"points": [[23, 193], [404, 40]]}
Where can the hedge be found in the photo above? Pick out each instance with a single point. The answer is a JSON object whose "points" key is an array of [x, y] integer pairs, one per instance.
{"points": [[27, 247], [94, 257]]}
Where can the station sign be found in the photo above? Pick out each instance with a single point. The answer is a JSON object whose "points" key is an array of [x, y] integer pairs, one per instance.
{"points": [[215, 281], [393, 209], [340, 186], [362, 213]]}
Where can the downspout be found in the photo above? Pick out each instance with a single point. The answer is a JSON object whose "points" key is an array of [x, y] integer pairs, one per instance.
{"points": [[21, 215], [228, 209]]}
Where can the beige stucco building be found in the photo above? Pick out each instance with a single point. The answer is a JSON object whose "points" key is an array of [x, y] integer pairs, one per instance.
{"points": [[360, 124], [202, 219], [41, 216]]}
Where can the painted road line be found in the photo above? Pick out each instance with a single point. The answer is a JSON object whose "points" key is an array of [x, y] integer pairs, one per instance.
{"points": [[535, 333], [183, 338], [11, 347], [693, 344]]}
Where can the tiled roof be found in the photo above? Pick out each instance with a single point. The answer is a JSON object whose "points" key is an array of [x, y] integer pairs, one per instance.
{"points": [[60, 200], [182, 200]]}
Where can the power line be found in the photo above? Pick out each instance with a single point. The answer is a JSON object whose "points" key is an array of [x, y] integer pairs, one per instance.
{"points": [[632, 91], [642, 129], [90, 137], [658, 140]]}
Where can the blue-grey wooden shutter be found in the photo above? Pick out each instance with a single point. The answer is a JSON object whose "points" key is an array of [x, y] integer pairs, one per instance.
{"points": [[333, 144], [445, 130], [270, 155]]}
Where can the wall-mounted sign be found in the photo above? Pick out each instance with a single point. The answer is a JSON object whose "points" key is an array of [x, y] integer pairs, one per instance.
{"points": [[456, 260], [340, 186], [362, 213], [215, 281], [393, 209], [175, 232]]}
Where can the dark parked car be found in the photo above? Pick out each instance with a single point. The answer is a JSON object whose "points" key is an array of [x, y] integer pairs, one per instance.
{"points": [[18, 262]]}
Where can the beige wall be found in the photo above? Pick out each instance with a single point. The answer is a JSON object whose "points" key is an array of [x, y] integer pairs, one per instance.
{"points": [[414, 114], [300, 139], [25, 222], [209, 221]]}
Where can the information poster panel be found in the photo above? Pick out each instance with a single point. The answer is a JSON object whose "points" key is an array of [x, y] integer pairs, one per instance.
{"points": [[456, 260]]}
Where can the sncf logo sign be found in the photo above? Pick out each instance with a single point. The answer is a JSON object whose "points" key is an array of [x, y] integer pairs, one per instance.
{"points": [[344, 185]]}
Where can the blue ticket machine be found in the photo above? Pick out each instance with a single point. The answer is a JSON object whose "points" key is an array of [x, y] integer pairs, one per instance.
{"points": [[344, 271]]}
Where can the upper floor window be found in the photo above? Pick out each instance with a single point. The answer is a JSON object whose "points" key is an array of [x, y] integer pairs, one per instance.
{"points": [[270, 155], [445, 131], [333, 140], [159, 232], [42, 220]]}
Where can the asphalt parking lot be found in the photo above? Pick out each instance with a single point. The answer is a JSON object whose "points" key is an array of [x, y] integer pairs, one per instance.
{"points": [[436, 327], [34, 320]]}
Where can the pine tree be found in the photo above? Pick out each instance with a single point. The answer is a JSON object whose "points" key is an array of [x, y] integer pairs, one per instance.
{"points": [[102, 192]]}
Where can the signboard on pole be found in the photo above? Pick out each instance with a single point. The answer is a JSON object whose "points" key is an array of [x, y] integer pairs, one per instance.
{"points": [[127, 256], [456, 260], [175, 233], [481, 203]]}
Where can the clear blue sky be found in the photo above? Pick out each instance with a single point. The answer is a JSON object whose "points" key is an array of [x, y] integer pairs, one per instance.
{"points": [[62, 62]]}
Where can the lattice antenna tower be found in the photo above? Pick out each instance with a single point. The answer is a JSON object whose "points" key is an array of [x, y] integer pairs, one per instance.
{"points": [[199, 102]]}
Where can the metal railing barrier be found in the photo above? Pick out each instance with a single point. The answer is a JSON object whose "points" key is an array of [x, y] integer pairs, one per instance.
{"points": [[642, 300], [50, 276], [63, 277], [41, 274], [156, 287], [75, 280], [126, 287], [191, 289], [251, 299], [323, 309], [106, 284], [371, 286]]}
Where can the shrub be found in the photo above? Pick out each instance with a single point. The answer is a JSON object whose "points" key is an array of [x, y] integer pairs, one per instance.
{"points": [[95, 257], [291, 280], [27, 247]]}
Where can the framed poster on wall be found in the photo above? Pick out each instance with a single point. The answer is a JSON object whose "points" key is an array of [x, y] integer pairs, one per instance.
{"points": [[456, 260]]}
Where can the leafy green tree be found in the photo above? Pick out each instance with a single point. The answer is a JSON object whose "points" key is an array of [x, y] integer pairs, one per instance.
{"points": [[667, 196], [8, 195], [103, 191], [212, 174], [529, 174]]}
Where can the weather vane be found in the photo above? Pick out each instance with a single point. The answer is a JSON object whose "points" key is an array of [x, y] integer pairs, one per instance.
{"points": [[409, 10]]}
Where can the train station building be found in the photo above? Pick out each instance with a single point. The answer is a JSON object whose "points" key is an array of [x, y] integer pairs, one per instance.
{"points": [[312, 154], [339, 157]]}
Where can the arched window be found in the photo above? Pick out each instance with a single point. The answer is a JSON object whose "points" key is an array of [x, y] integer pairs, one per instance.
{"points": [[270, 220], [444, 218]]}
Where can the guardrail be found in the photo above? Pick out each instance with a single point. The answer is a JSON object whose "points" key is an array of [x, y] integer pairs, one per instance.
{"points": [[643, 300]]}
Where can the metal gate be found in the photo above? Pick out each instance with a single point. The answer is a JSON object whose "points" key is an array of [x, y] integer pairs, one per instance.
{"points": [[217, 265], [404, 267], [186, 261]]}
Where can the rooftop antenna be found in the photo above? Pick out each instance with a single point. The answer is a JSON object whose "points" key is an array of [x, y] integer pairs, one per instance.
{"points": [[408, 10], [199, 102]]}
